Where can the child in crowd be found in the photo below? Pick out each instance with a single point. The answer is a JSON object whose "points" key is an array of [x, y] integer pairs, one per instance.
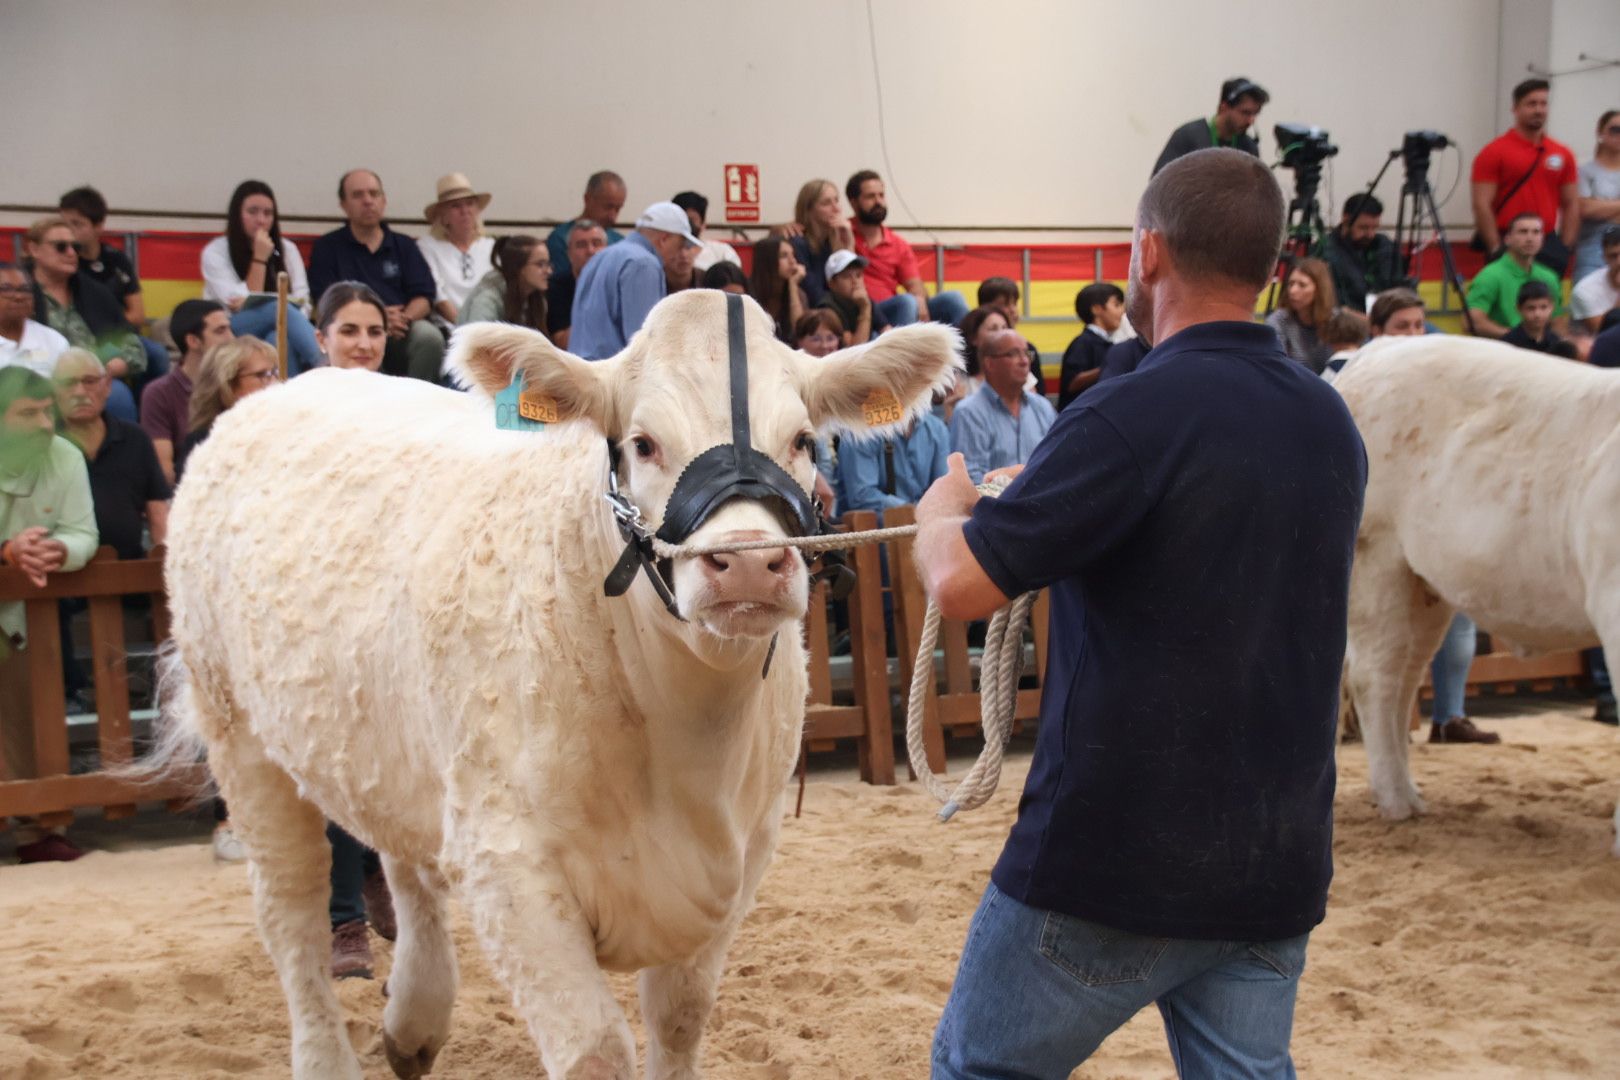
{"points": [[1535, 302], [1343, 333], [1101, 307]]}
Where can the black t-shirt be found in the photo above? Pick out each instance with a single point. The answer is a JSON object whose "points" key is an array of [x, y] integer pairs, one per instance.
{"points": [[849, 313], [113, 270], [124, 477], [1195, 522], [560, 302], [1085, 353], [1606, 349], [1196, 135], [1550, 342]]}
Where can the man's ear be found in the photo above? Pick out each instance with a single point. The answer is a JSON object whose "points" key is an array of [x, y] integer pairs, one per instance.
{"points": [[877, 387], [483, 357]]}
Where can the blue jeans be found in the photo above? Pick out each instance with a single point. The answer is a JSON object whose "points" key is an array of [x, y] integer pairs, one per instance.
{"points": [[1037, 992], [303, 352], [1449, 668], [901, 308]]}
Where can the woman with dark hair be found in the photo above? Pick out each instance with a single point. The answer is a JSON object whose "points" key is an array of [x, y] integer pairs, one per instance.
{"points": [[1308, 300], [727, 277], [776, 284], [239, 270], [515, 291], [351, 326]]}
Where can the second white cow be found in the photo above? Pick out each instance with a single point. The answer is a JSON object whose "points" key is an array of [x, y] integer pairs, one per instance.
{"points": [[1493, 478], [391, 614]]}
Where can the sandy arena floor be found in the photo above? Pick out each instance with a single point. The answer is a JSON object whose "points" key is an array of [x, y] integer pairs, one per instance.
{"points": [[1482, 941]]}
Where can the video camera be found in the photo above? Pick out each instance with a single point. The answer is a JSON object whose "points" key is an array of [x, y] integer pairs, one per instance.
{"points": [[1303, 145], [1416, 147]]}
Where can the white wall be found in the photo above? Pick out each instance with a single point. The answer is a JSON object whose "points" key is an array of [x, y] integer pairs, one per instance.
{"points": [[1582, 91], [1031, 112]]}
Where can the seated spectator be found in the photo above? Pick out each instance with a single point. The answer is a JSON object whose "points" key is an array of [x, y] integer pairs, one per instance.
{"points": [[1598, 183], [712, 251], [894, 470], [585, 239], [85, 211], [228, 373], [621, 284], [1535, 315], [1493, 295], [352, 326], [368, 251], [1003, 294], [1605, 351], [1344, 333], [891, 263], [457, 252], [1000, 424], [47, 526], [1362, 261], [1101, 307], [515, 290], [680, 274], [1397, 313], [1123, 357], [196, 326], [604, 201], [1598, 293], [817, 230], [846, 297], [79, 308], [727, 278], [977, 326], [819, 332], [1308, 300], [776, 283], [240, 270], [22, 340]]}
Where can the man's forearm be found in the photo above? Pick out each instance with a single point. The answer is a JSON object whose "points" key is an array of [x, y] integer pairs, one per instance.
{"points": [[950, 573], [1484, 326], [417, 308], [920, 291]]}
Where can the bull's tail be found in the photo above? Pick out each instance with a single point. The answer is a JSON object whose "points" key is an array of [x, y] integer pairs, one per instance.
{"points": [[177, 740]]}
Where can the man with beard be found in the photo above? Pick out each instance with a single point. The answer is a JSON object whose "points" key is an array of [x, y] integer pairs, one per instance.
{"points": [[1195, 524], [1363, 261], [47, 525], [1522, 171], [891, 265], [1235, 113]]}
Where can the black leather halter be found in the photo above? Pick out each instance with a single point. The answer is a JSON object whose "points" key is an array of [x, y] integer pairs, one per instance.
{"points": [[723, 472]]}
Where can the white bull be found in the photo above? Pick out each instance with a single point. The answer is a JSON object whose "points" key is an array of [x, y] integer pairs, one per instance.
{"points": [[1493, 482], [391, 614]]}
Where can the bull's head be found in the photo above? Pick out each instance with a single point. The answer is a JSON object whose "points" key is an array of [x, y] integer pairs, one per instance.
{"points": [[668, 398]]}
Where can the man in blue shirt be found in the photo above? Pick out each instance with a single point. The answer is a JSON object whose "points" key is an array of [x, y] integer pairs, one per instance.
{"points": [[620, 284], [1195, 521], [1000, 423], [876, 474], [604, 200], [368, 251]]}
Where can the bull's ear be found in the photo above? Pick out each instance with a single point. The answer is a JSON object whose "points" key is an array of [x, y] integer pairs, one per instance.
{"points": [[483, 357], [876, 387]]}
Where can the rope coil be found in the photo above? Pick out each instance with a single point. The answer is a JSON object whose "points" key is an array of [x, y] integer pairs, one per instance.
{"points": [[1000, 665]]}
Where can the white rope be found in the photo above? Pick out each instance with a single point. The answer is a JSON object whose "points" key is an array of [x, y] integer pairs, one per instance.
{"points": [[1000, 665]]}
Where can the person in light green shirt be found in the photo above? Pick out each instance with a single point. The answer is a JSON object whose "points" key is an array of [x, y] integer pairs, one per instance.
{"points": [[1493, 297], [47, 525]]}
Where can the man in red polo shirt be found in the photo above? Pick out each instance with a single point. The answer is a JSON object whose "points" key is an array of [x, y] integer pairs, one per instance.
{"points": [[891, 265], [1523, 171]]}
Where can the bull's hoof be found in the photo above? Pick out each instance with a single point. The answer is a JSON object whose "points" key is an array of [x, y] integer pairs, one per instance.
{"points": [[408, 1066], [1402, 807]]}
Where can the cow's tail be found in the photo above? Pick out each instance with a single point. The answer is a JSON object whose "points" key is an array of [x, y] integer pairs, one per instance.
{"points": [[177, 745]]}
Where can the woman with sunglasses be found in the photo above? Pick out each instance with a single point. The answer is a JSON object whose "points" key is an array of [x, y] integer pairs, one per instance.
{"points": [[1599, 184], [240, 270], [229, 372], [82, 310]]}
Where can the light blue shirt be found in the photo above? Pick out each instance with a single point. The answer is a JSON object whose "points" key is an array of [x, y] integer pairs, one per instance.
{"points": [[989, 436], [616, 289], [919, 460]]}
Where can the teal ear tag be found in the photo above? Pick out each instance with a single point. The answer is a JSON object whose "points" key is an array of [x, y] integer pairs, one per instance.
{"points": [[517, 411]]}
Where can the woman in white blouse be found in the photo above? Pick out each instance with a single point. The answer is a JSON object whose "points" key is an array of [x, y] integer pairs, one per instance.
{"points": [[240, 268], [457, 252]]}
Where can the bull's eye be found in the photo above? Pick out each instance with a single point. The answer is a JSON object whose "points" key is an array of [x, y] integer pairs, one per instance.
{"points": [[805, 443], [645, 447]]}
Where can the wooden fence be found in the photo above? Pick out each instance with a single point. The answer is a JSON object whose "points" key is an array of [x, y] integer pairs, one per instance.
{"points": [[857, 696]]}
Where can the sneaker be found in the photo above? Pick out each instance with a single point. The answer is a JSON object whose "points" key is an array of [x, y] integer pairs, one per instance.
{"points": [[380, 906], [53, 848], [227, 845], [1460, 729], [351, 950]]}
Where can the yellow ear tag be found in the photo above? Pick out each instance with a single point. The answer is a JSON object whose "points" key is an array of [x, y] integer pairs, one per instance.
{"points": [[882, 407], [533, 405]]}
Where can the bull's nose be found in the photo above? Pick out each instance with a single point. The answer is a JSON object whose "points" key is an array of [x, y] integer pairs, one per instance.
{"points": [[749, 572]]}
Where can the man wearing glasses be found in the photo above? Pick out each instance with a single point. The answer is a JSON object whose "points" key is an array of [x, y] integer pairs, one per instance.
{"points": [[47, 525], [22, 340]]}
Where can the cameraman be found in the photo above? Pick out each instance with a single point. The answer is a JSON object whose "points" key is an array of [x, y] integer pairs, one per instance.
{"points": [[1239, 107], [1364, 263]]}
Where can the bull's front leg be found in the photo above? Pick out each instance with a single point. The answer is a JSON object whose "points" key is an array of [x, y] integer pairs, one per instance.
{"points": [[540, 946]]}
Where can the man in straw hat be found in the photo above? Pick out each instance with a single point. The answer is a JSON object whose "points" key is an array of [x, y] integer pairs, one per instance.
{"points": [[457, 251]]}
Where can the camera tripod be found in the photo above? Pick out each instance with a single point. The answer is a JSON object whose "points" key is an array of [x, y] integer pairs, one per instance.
{"points": [[1416, 214], [1305, 227]]}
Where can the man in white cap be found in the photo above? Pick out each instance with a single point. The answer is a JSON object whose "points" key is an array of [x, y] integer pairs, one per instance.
{"points": [[621, 283]]}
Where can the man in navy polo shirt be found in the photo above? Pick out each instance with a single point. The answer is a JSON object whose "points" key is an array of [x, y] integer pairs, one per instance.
{"points": [[1195, 521], [368, 251]]}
